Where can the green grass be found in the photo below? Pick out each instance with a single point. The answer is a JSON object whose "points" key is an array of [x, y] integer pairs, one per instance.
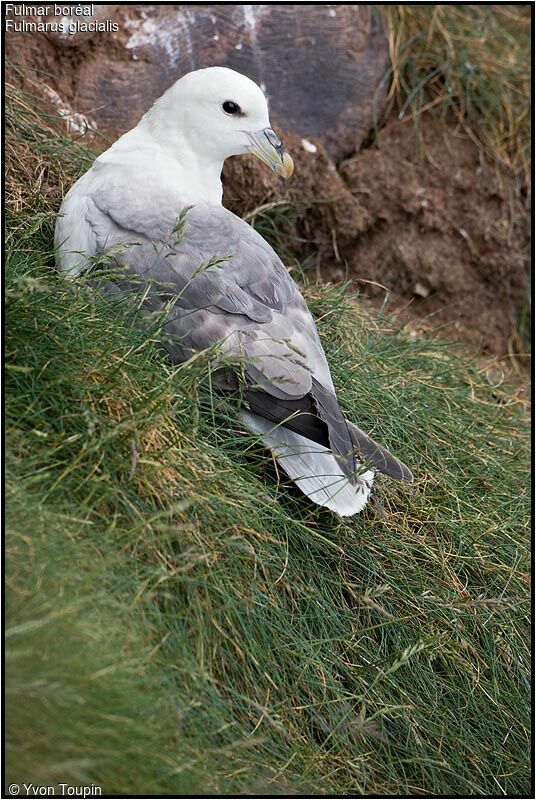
{"points": [[179, 621]]}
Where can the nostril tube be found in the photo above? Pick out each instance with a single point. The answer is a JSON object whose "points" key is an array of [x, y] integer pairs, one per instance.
{"points": [[274, 140]]}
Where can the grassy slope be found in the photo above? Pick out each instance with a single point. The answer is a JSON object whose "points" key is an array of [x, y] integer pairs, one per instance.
{"points": [[180, 622]]}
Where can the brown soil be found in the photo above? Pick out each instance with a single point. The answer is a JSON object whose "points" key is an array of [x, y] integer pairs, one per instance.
{"points": [[441, 236]]}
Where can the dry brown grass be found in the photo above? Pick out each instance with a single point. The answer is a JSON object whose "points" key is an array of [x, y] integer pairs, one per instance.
{"points": [[472, 62]]}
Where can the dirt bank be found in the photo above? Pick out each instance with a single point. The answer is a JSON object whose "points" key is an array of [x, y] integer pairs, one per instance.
{"points": [[442, 234]]}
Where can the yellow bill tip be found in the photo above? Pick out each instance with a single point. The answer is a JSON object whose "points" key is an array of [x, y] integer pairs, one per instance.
{"points": [[286, 168]]}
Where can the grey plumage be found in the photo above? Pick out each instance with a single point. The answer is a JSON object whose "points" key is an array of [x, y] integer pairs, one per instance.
{"points": [[219, 282]]}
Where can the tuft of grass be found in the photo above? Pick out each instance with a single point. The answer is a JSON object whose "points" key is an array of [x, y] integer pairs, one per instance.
{"points": [[469, 61], [41, 159], [181, 621]]}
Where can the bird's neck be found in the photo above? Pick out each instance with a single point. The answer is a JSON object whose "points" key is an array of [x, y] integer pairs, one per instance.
{"points": [[196, 177], [200, 180]]}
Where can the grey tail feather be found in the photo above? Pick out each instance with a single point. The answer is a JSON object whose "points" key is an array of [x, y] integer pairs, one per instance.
{"points": [[377, 456], [340, 439]]}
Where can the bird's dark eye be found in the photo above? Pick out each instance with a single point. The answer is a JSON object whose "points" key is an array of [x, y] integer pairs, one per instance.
{"points": [[231, 108]]}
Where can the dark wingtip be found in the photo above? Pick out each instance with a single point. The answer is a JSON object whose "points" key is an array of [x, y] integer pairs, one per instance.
{"points": [[378, 456], [389, 465], [407, 475]]}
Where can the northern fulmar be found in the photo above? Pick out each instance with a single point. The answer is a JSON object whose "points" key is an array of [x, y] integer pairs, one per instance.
{"points": [[152, 201]]}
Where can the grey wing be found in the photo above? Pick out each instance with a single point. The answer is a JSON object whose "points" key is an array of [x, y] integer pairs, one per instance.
{"points": [[222, 283]]}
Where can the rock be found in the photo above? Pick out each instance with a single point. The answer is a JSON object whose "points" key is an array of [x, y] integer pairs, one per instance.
{"points": [[421, 290], [321, 66]]}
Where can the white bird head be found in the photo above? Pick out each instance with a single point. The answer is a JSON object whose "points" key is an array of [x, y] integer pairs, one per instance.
{"points": [[219, 113]]}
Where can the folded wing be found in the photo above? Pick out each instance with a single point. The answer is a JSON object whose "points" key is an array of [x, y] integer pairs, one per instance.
{"points": [[222, 283]]}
